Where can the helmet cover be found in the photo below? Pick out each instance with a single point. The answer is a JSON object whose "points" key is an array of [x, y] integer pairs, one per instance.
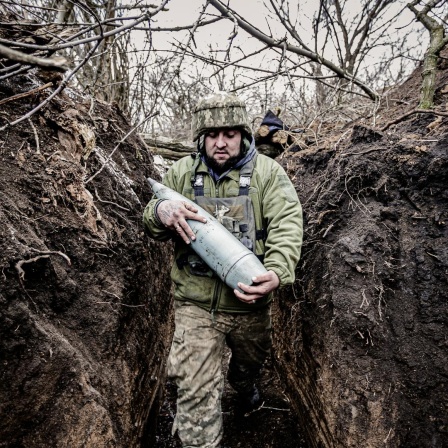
{"points": [[219, 110]]}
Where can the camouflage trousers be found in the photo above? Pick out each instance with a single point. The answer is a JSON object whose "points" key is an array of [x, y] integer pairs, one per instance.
{"points": [[195, 364]]}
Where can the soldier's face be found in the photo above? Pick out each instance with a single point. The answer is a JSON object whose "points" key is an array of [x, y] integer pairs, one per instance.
{"points": [[222, 145]]}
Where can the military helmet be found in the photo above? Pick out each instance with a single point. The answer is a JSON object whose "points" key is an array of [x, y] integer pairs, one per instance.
{"points": [[219, 110]]}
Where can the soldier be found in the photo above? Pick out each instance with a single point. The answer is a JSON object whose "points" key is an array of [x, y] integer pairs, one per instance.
{"points": [[254, 199]]}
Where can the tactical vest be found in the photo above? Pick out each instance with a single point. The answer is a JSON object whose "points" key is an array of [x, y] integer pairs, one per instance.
{"points": [[236, 214]]}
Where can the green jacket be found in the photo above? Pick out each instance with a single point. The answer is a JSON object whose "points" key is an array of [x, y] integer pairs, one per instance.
{"points": [[277, 210]]}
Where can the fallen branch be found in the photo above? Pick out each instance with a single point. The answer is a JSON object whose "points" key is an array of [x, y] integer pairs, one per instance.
{"points": [[58, 64], [157, 143], [175, 149], [25, 94], [412, 112], [168, 153]]}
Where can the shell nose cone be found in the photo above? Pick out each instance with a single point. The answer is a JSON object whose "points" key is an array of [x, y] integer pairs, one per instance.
{"points": [[155, 186], [151, 181]]}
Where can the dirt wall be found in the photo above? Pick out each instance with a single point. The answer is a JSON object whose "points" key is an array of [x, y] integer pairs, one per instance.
{"points": [[84, 293], [361, 339]]}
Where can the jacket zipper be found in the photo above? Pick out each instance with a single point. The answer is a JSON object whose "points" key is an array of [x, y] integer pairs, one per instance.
{"points": [[217, 291], [214, 304]]}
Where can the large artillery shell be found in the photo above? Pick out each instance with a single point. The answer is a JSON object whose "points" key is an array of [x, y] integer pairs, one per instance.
{"points": [[224, 254]]}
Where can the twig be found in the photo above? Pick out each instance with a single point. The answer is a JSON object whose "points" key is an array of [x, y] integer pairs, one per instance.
{"points": [[122, 304], [118, 144], [25, 94], [109, 202], [59, 89], [380, 299], [11, 67], [58, 64], [36, 137], [275, 409], [45, 254], [17, 72], [434, 256], [412, 112], [329, 228], [385, 440], [364, 299], [191, 37], [360, 153]]}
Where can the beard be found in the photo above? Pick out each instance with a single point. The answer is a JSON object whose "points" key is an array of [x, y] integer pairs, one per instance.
{"points": [[222, 167]]}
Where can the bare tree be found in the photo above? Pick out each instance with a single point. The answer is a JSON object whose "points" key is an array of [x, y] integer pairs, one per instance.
{"points": [[437, 42], [312, 60], [353, 51], [84, 33]]}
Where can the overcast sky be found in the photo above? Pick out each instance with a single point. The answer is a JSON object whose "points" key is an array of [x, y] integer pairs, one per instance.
{"points": [[211, 38], [185, 12]]}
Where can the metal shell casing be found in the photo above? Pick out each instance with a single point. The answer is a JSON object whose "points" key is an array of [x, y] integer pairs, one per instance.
{"points": [[216, 246]]}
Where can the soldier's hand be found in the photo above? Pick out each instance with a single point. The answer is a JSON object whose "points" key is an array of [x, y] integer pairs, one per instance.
{"points": [[262, 286], [174, 215]]}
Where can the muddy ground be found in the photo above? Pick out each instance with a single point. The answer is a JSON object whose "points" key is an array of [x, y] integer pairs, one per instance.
{"points": [[274, 425]]}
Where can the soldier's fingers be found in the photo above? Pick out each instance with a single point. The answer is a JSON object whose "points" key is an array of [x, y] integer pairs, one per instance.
{"points": [[246, 298], [246, 288], [186, 236], [185, 231], [195, 217], [190, 207], [249, 293], [255, 291]]}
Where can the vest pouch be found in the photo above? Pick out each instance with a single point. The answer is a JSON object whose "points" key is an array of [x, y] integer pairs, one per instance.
{"points": [[198, 267], [235, 214], [228, 223], [247, 242]]}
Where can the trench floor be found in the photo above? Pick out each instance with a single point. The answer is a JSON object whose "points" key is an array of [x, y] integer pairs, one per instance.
{"points": [[273, 426]]}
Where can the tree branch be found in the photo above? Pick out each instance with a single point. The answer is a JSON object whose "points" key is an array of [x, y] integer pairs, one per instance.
{"points": [[58, 64], [225, 11], [412, 112], [118, 30], [25, 94]]}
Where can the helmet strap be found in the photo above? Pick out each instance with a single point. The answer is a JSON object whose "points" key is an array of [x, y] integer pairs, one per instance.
{"points": [[201, 143]]}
